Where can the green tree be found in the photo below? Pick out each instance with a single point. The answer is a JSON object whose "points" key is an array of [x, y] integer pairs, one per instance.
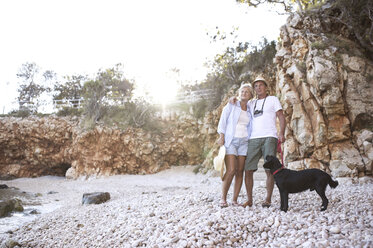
{"points": [[357, 16], [30, 87], [109, 87], [232, 67], [71, 89], [288, 5]]}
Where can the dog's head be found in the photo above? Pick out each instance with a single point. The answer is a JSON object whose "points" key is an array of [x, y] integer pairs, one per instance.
{"points": [[272, 163]]}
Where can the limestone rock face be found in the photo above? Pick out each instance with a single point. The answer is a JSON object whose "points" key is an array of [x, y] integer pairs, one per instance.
{"points": [[34, 147], [106, 151], [326, 92]]}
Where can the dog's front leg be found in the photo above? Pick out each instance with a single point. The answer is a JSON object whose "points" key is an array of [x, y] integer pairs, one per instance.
{"points": [[281, 199], [284, 201]]}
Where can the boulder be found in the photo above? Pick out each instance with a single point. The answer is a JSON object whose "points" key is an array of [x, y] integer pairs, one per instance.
{"points": [[95, 198], [8, 206]]}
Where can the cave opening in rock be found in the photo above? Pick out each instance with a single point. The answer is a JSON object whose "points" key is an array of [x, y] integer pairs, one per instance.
{"points": [[363, 121], [59, 169]]}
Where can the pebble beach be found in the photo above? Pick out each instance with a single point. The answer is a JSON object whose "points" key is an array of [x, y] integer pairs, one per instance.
{"points": [[178, 208]]}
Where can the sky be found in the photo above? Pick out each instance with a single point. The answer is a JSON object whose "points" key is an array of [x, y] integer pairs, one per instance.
{"points": [[148, 37]]}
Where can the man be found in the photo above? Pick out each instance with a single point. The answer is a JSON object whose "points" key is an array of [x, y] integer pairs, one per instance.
{"points": [[263, 140]]}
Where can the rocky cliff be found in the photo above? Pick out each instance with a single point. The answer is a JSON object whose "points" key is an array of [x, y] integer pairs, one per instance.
{"points": [[34, 147], [324, 81]]}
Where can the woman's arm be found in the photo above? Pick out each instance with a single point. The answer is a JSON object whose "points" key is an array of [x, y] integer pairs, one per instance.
{"points": [[222, 126], [221, 139]]}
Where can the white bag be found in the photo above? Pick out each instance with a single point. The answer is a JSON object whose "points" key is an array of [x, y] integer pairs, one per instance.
{"points": [[219, 163]]}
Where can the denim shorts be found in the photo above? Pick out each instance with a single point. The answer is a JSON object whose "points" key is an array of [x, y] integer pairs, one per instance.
{"points": [[237, 147]]}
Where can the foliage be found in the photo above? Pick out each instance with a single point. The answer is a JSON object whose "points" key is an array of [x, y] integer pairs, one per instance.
{"points": [[108, 87], [302, 66], [357, 17], [138, 114], [71, 89], [234, 66], [318, 45], [31, 87], [108, 100], [288, 5], [219, 35], [260, 57], [199, 108], [23, 113], [69, 111], [197, 168]]}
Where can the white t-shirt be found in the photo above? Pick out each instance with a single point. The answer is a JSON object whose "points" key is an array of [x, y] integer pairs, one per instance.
{"points": [[265, 124]]}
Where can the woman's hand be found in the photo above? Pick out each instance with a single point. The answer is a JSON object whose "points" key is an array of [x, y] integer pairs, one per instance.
{"points": [[221, 140]]}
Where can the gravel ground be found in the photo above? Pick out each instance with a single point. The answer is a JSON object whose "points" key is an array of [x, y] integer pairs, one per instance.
{"points": [[177, 208]]}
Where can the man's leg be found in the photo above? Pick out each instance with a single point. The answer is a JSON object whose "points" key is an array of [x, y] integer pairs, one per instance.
{"points": [[253, 155], [269, 148], [269, 185]]}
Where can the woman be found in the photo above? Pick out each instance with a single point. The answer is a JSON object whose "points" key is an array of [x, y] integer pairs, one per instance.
{"points": [[234, 130]]}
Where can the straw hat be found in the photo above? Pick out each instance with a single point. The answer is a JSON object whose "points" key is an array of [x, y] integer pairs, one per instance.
{"points": [[219, 163], [260, 79]]}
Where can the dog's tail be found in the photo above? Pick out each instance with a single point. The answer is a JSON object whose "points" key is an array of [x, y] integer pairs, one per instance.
{"points": [[333, 183]]}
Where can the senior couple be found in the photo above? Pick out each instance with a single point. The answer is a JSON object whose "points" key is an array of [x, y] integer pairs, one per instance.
{"points": [[247, 129]]}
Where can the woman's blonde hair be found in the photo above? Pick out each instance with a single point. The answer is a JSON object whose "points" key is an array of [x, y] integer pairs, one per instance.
{"points": [[246, 85]]}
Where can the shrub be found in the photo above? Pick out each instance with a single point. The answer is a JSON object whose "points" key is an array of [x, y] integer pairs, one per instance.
{"points": [[319, 45], [68, 111], [233, 67], [138, 114], [23, 113]]}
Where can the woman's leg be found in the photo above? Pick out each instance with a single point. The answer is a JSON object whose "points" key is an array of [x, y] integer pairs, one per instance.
{"points": [[249, 183], [238, 177], [230, 162]]}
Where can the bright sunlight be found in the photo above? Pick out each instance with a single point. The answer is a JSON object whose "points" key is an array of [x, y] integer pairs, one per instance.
{"points": [[164, 92]]}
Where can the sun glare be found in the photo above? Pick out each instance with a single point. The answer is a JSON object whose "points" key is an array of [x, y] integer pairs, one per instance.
{"points": [[164, 92]]}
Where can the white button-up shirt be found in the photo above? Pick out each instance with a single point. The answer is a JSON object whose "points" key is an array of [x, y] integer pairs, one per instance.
{"points": [[229, 119]]}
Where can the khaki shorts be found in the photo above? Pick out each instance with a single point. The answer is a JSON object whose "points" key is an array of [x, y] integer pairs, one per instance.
{"points": [[257, 148]]}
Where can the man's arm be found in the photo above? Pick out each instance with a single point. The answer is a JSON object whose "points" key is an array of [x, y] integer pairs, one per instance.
{"points": [[232, 100], [281, 118]]}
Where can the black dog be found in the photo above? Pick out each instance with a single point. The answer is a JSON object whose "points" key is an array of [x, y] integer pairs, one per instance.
{"points": [[289, 181]]}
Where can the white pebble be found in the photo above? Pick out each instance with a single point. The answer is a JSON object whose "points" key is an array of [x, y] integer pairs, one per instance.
{"points": [[335, 229]]}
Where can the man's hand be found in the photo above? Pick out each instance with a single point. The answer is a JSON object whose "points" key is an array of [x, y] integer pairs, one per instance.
{"points": [[232, 100], [281, 118], [281, 138]]}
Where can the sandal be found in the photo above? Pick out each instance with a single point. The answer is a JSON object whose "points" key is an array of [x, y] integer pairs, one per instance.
{"points": [[266, 204], [248, 203], [223, 204], [236, 204]]}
